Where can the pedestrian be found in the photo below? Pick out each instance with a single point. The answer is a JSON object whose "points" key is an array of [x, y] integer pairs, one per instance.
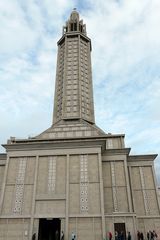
{"points": [[141, 236], [122, 235], [73, 236], [154, 235], [62, 235], [119, 235], [56, 235], [138, 235], [149, 235], [116, 235], [129, 236], [110, 236], [34, 236]]}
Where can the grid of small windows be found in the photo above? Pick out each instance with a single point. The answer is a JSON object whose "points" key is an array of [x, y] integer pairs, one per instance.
{"points": [[19, 187], [71, 103], [83, 184], [51, 174], [60, 78], [84, 69]]}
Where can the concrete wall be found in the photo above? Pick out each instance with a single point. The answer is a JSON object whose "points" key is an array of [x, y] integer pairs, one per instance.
{"points": [[87, 193], [144, 191], [14, 229]]}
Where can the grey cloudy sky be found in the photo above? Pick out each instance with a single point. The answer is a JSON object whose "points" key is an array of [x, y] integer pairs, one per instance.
{"points": [[125, 59]]}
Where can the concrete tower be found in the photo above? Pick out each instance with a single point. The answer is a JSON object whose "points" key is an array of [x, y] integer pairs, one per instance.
{"points": [[73, 114], [73, 92], [73, 177]]}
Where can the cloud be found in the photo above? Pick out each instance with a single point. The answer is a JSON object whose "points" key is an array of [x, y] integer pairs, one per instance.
{"points": [[16, 34]]}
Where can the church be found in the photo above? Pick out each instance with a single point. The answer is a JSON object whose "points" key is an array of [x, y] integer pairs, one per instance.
{"points": [[74, 178]]}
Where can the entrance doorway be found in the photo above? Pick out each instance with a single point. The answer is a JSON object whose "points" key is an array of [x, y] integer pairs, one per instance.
{"points": [[120, 229], [49, 229]]}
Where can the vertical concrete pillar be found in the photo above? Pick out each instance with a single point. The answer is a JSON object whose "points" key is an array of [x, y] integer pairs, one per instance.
{"points": [[128, 186], [67, 199], [101, 195], [33, 198]]}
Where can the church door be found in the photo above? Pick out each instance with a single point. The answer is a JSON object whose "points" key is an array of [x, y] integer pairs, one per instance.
{"points": [[121, 229], [49, 229]]}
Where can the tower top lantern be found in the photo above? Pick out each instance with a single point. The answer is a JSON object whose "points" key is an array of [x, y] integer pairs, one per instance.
{"points": [[74, 24]]}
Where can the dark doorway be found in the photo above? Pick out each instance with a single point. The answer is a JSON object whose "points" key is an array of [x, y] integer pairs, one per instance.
{"points": [[121, 230], [49, 229]]}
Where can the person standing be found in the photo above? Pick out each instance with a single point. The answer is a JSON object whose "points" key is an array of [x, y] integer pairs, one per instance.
{"points": [[154, 235], [149, 235], [62, 235], [116, 235], [34, 236], [110, 236], [129, 236], [141, 236], [73, 236], [56, 235], [122, 235], [138, 235]]}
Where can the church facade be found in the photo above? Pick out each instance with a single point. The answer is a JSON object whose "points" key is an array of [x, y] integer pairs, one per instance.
{"points": [[73, 177]]}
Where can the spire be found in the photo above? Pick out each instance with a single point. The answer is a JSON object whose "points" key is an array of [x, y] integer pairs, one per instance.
{"points": [[74, 24], [73, 90]]}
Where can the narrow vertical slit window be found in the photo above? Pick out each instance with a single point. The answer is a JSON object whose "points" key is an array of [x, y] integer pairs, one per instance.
{"points": [[75, 26], [71, 26]]}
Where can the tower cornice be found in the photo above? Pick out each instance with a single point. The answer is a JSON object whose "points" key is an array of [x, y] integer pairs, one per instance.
{"points": [[74, 34]]}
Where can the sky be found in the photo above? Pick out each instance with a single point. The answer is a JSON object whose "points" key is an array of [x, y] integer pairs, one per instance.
{"points": [[125, 67]]}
